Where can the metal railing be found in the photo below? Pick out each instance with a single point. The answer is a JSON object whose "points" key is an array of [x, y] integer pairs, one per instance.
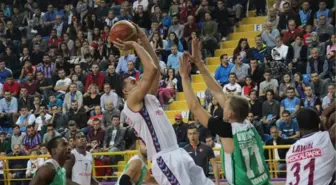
{"points": [[123, 157]]}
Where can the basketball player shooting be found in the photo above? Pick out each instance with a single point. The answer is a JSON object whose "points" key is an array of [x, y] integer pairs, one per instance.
{"points": [[242, 153], [52, 171], [171, 165], [311, 160]]}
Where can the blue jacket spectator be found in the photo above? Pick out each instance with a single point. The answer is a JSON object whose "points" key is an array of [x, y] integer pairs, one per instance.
{"points": [[288, 127], [4, 72], [173, 58], [223, 71], [291, 103]]}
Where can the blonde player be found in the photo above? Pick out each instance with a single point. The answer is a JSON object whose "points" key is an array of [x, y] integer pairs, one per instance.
{"points": [[311, 160], [171, 165]]}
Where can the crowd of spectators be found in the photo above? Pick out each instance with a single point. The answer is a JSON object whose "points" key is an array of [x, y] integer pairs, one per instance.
{"points": [[60, 74]]}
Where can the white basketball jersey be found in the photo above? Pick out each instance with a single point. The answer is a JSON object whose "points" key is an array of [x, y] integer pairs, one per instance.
{"points": [[152, 126], [82, 170], [311, 160]]}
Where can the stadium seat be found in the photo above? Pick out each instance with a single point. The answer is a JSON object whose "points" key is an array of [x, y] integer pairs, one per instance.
{"points": [[249, 35], [213, 61], [197, 79], [253, 20], [228, 51]]}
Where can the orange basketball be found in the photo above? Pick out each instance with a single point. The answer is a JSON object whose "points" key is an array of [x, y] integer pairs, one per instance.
{"points": [[123, 30]]}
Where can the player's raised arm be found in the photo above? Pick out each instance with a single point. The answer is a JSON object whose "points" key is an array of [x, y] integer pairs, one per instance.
{"points": [[44, 175], [211, 83], [134, 101], [133, 169], [146, 44], [195, 107]]}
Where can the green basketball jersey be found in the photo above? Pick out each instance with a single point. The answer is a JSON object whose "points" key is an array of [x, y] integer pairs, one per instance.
{"points": [[143, 170], [60, 176], [246, 165]]}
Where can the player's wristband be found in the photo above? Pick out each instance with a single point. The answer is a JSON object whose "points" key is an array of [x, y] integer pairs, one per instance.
{"points": [[125, 180], [219, 127]]}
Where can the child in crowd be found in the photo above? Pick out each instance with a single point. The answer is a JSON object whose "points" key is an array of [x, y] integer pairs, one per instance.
{"points": [[307, 37], [248, 87]]}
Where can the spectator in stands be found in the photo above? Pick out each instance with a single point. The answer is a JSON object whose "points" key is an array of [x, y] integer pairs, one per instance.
{"points": [[168, 90], [108, 114], [96, 132], [269, 83], [255, 72], [8, 108], [298, 64], [287, 15], [287, 82], [180, 130], [173, 58], [317, 64], [240, 69], [255, 105], [123, 60], [221, 16], [47, 67], [248, 87], [280, 51], [25, 100], [20, 164], [315, 43], [306, 14], [132, 72], [323, 11], [91, 98], [25, 119], [30, 85], [12, 86], [291, 103], [272, 18], [189, 27], [33, 164], [176, 27], [43, 85], [293, 31], [242, 46], [258, 52], [51, 132], [211, 143], [279, 154], [329, 98], [324, 29], [209, 34], [58, 119], [288, 127], [311, 100], [214, 108], [17, 136], [31, 141], [269, 34], [270, 110], [318, 85], [43, 119], [223, 70], [72, 95], [62, 84], [331, 56], [77, 114], [4, 144], [72, 130], [330, 47], [201, 153], [95, 77], [4, 72], [114, 137], [277, 68], [109, 95], [233, 87]]}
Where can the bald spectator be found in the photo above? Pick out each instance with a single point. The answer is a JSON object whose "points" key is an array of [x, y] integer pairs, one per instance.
{"points": [[317, 64], [189, 27], [109, 113], [181, 129]]}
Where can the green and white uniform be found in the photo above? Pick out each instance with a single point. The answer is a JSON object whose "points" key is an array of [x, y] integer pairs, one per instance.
{"points": [[246, 165], [143, 170], [60, 176]]}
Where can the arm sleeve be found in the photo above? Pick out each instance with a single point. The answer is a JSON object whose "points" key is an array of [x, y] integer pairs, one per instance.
{"points": [[219, 127]]}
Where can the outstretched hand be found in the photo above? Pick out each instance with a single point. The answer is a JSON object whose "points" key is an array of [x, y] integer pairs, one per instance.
{"points": [[140, 32], [196, 50], [185, 67], [124, 45]]}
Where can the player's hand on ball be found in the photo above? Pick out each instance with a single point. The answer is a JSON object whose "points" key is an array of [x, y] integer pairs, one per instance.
{"points": [[185, 67], [124, 45], [140, 31]]}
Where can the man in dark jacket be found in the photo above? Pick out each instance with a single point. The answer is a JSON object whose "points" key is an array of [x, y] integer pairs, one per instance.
{"points": [[181, 129], [287, 15], [279, 154]]}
